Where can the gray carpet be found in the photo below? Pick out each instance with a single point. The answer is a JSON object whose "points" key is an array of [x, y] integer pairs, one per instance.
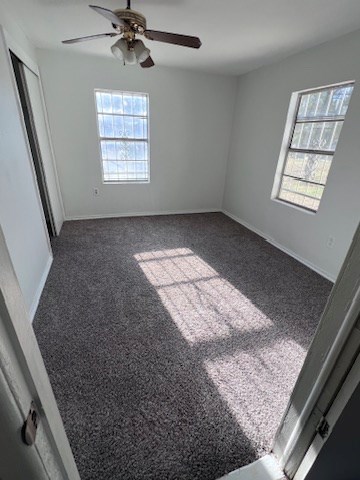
{"points": [[173, 343]]}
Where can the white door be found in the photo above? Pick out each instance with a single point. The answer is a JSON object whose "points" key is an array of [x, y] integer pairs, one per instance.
{"points": [[331, 356], [23, 379]]}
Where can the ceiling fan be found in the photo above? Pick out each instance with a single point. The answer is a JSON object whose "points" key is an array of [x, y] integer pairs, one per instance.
{"points": [[128, 48]]}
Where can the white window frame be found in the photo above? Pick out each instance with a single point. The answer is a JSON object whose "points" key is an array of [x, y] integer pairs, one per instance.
{"points": [[290, 125], [100, 138]]}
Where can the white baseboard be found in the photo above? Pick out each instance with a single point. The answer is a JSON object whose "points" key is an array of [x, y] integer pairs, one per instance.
{"points": [[245, 224], [316, 269], [40, 288], [273, 242], [289, 252], [141, 214]]}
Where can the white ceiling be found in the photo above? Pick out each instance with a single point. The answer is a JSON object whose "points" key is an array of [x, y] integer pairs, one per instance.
{"points": [[237, 35]]}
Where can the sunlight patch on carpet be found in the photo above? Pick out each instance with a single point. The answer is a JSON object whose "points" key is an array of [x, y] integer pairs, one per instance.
{"points": [[254, 374], [203, 305]]}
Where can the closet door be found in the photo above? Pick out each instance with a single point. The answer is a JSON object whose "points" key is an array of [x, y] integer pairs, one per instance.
{"points": [[37, 104]]}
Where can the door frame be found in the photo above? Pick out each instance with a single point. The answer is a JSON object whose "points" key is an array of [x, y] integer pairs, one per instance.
{"points": [[332, 355], [24, 377], [18, 67], [334, 413]]}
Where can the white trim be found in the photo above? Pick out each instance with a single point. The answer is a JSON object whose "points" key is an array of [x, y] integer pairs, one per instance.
{"points": [[29, 61], [296, 207], [325, 87], [53, 158], [328, 366], [245, 224], [26, 373], [266, 468], [289, 125], [6, 38], [40, 288], [308, 264], [100, 138], [142, 214], [289, 252]]}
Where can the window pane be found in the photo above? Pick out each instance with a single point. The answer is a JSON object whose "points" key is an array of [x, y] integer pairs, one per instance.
{"points": [[111, 167], [341, 95], [300, 200], [141, 167], [117, 103], [316, 136], [108, 149], [307, 166], [101, 125], [127, 102], [331, 102], [125, 150], [114, 170], [139, 106], [318, 125], [123, 131], [324, 103], [122, 170], [140, 128], [140, 153], [347, 95], [301, 186], [106, 125], [128, 127], [98, 101], [309, 105], [106, 102], [118, 126]]}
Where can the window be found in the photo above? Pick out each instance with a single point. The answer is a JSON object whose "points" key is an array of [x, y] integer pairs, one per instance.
{"points": [[314, 136], [123, 126]]}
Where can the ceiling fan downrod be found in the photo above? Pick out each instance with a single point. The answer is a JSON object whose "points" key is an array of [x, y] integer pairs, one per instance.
{"points": [[128, 5]]}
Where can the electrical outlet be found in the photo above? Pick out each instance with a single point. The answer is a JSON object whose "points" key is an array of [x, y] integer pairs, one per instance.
{"points": [[96, 192], [330, 242]]}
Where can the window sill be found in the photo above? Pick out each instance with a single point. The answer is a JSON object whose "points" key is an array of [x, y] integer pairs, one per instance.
{"points": [[127, 183], [292, 205]]}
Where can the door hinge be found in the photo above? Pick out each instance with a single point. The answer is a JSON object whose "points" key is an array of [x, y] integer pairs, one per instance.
{"points": [[28, 432], [323, 428]]}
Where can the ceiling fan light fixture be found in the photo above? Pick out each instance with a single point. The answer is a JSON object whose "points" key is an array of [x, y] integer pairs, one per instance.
{"points": [[129, 23], [119, 48], [121, 51], [130, 58], [142, 53]]}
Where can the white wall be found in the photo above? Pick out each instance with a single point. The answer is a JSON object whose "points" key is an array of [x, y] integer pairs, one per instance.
{"points": [[20, 45], [21, 216], [17, 35], [262, 105], [190, 126]]}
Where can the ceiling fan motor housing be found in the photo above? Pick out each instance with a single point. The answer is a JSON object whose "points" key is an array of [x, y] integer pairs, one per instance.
{"points": [[136, 20]]}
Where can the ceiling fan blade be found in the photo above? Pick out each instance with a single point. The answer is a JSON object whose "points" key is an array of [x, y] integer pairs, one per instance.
{"points": [[149, 62], [90, 37], [109, 14], [174, 38]]}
